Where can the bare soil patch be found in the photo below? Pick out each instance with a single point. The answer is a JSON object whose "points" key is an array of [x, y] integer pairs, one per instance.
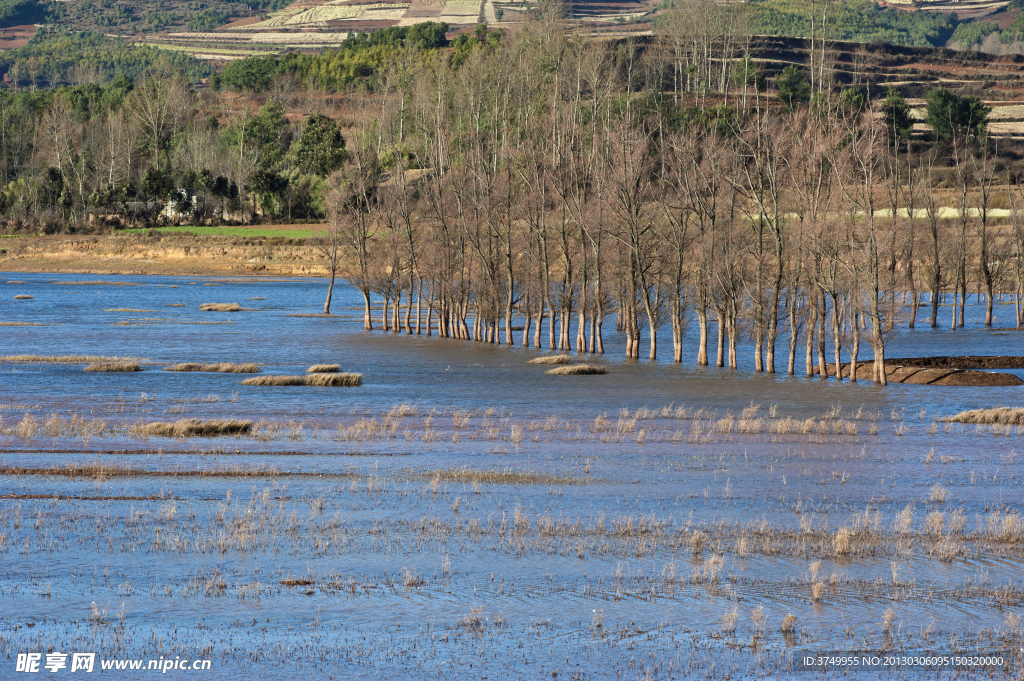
{"points": [[942, 371]]}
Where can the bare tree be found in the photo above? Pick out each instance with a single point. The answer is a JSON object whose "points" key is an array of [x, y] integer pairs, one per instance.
{"points": [[161, 104], [329, 245]]}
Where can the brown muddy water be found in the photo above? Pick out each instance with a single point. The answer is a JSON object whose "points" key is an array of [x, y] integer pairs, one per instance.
{"points": [[462, 514]]}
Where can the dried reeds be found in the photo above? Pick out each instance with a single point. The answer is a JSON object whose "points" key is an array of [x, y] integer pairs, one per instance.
{"points": [[324, 369], [22, 297], [332, 380], [551, 359], [504, 476], [198, 428], [577, 370], [1005, 416], [217, 367], [220, 307], [62, 359], [113, 367], [315, 380], [275, 380]]}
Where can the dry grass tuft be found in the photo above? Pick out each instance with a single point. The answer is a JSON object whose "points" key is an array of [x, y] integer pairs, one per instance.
{"points": [[62, 359], [1005, 416], [174, 305], [331, 380], [198, 428], [220, 307], [551, 359], [315, 380], [125, 309], [841, 541], [324, 369], [275, 380], [577, 370], [789, 624], [218, 367], [22, 297], [113, 366], [22, 324], [504, 476]]}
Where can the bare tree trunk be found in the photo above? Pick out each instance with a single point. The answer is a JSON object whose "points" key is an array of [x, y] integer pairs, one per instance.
{"points": [[408, 307], [702, 344], [793, 331], [855, 350], [430, 311], [812, 320], [527, 321], [419, 301], [330, 291], [720, 361], [367, 321], [396, 310], [837, 334], [822, 312], [733, 334], [540, 323]]}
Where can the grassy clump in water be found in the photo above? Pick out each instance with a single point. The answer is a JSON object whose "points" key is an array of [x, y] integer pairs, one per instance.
{"points": [[577, 370], [275, 380], [1005, 416], [23, 297], [113, 366], [551, 359], [220, 307], [315, 380], [198, 428], [62, 359], [343, 380], [324, 369], [217, 367]]}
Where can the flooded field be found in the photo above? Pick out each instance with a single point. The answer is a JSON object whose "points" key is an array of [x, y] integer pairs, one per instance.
{"points": [[462, 514]]}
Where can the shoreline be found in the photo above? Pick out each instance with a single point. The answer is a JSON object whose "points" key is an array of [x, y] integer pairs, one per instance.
{"points": [[167, 254]]}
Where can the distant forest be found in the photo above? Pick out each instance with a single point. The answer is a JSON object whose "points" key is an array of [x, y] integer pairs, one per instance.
{"points": [[853, 20], [57, 57]]}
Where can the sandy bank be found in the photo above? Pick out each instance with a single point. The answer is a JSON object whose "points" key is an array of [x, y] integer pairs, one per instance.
{"points": [[168, 254]]}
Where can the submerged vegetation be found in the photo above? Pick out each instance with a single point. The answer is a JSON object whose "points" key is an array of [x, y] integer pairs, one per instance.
{"points": [[577, 370], [113, 366], [63, 359], [1007, 416], [323, 369], [316, 380], [551, 359], [198, 428], [220, 307], [220, 367]]}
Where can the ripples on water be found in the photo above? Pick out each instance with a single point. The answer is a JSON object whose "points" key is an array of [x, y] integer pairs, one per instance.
{"points": [[400, 551]]}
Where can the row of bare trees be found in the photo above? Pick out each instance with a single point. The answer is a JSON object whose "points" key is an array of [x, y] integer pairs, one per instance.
{"points": [[541, 188]]}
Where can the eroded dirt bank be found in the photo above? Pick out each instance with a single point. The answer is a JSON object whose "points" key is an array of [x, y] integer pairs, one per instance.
{"points": [[967, 370], [161, 254]]}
